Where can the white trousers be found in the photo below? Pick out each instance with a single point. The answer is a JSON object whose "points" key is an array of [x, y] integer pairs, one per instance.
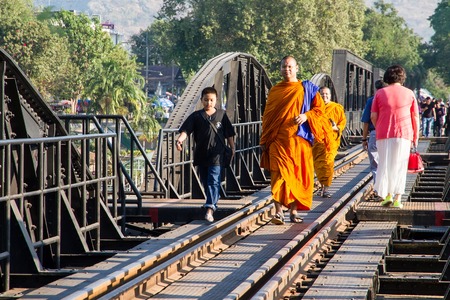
{"points": [[393, 156]]}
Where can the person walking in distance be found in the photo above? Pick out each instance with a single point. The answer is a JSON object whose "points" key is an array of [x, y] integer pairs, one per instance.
{"points": [[428, 117], [368, 136], [209, 145], [439, 109], [291, 118], [395, 114], [323, 158]]}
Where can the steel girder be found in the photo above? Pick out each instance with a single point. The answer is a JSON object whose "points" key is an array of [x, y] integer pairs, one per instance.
{"points": [[50, 203], [354, 80]]}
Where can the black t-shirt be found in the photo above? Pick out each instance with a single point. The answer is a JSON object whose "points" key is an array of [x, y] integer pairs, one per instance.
{"points": [[208, 147], [427, 110], [439, 113]]}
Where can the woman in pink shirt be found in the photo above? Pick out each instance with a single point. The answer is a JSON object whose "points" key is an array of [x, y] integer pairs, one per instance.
{"points": [[395, 115]]}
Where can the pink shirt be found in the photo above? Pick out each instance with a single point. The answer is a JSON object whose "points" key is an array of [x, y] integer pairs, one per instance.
{"points": [[396, 107]]}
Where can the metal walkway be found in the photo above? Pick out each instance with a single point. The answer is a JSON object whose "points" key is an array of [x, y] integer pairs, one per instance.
{"points": [[236, 264]]}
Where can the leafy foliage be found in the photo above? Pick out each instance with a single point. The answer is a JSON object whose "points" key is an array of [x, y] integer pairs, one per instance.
{"points": [[43, 56], [389, 40], [436, 85], [13, 13], [116, 80], [440, 41], [191, 32], [88, 45], [68, 56]]}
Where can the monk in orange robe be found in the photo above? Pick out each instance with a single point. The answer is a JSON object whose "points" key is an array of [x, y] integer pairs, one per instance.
{"points": [[286, 155], [323, 158]]}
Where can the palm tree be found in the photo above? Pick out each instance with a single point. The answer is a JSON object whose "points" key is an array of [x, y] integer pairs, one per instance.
{"points": [[116, 83], [117, 87]]}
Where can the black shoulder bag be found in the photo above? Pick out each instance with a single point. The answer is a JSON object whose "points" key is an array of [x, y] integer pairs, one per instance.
{"points": [[228, 152]]}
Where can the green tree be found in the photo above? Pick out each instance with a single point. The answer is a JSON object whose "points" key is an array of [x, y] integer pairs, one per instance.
{"points": [[389, 41], [440, 41], [436, 85], [42, 56], [117, 84], [191, 32], [88, 44], [13, 13], [68, 56], [107, 74], [143, 42]]}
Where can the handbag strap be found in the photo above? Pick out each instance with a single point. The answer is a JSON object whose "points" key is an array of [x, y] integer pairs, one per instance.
{"points": [[219, 114]]}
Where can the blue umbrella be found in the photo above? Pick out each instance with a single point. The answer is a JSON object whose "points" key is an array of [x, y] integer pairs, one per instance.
{"points": [[164, 102]]}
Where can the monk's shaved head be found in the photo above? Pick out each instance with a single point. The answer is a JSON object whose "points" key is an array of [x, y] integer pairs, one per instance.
{"points": [[288, 57], [289, 69]]}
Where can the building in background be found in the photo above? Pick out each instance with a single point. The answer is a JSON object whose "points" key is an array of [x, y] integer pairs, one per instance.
{"points": [[116, 37], [164, 81]]}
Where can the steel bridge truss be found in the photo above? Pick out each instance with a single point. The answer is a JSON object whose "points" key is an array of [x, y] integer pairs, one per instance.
{"points": [[52, 197], [66, 184], [353, 79]]}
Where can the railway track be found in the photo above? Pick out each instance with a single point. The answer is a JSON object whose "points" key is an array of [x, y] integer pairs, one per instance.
{"points": [[218, 252]]}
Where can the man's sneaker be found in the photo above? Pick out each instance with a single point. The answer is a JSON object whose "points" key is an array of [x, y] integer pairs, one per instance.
{"points": [[375, 197], [209, 217], [397, 204], [387, 201]]}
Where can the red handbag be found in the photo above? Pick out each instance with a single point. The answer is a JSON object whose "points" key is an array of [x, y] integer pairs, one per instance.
{"points": [[415, 163]]}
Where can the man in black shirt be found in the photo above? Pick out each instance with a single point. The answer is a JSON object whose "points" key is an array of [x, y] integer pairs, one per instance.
{"points": [[209, 145], [428, 116]]}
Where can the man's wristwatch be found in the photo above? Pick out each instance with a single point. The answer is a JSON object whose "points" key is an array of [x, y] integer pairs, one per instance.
{"points": [[363, 140]]}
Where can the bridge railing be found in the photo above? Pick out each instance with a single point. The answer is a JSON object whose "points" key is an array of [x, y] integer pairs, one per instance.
{"points": [[61, 211], [169, 173], [135, 162]]}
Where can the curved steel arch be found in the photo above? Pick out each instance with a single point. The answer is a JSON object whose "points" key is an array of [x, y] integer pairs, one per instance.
{"points": [[323, 79], [241, 82]]}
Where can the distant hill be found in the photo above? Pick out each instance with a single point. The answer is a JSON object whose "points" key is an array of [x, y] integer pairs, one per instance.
{"points": [[130, 16]]}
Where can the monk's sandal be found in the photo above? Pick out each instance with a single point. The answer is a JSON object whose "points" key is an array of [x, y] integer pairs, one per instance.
{"points": [[278, 219]]}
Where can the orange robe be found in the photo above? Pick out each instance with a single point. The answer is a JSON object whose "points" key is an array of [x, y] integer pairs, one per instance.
{"points": [[288, 157], [323, 158]]}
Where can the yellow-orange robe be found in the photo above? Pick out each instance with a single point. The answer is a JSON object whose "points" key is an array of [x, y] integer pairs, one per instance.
{"points": [[323, 158], [288, 157]]}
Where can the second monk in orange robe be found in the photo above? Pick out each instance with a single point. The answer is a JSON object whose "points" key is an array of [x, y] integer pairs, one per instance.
{"points": [[323, 157]]}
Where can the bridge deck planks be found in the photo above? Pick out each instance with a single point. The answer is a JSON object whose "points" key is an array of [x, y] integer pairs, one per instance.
{"points": [[352, 272], [93, 276]]}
